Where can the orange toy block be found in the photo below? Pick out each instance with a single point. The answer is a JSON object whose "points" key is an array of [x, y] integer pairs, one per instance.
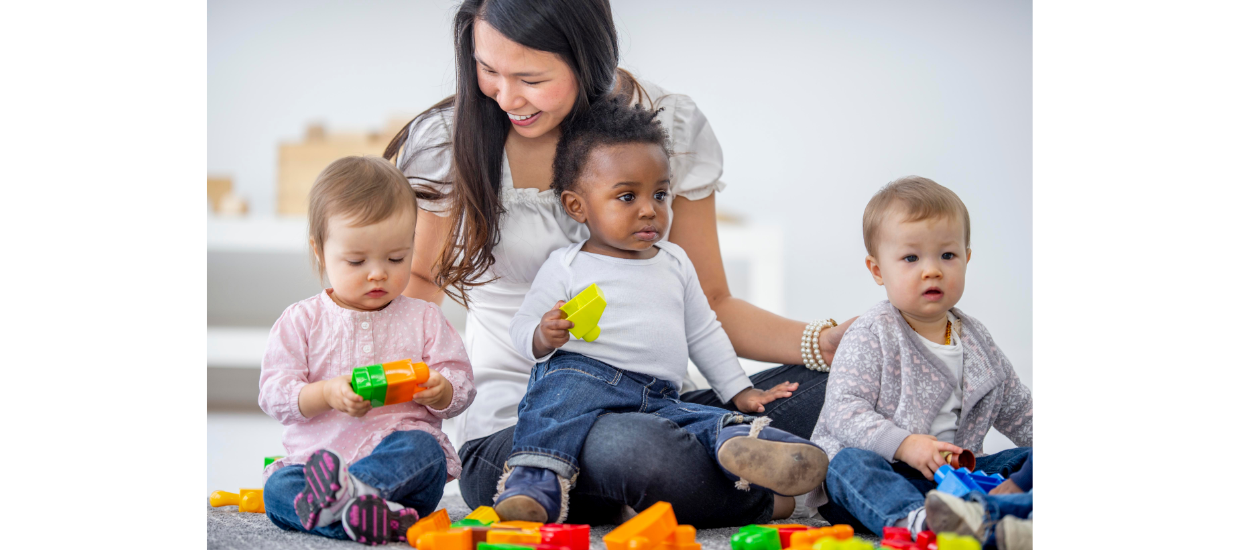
{"points": [[785, 532], [649, 528], [532, 526], [404, 378], [683, 538], [502, 536], [438, 521], [455, 539], [806, 539]]}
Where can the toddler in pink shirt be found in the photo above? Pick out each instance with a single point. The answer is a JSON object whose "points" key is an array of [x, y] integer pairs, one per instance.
{"points": [[352, 471]]}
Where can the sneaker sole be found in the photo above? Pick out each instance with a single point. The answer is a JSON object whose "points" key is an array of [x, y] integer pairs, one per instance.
{"points": [[368, 520], [943, 517], [521, 508], [322, 473], [786, 468]]}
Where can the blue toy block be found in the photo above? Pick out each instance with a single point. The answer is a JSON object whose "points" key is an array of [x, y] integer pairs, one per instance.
{"points": [[960, 482]]}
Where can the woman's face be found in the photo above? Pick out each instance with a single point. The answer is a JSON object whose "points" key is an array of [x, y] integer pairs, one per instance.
{"points": [[537, 89]]}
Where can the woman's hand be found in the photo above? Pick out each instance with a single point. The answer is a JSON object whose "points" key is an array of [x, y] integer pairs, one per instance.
{"points": [[438, 392], [921, 451], [339, 395], [552, 331], [829, 340], [751, 400]]}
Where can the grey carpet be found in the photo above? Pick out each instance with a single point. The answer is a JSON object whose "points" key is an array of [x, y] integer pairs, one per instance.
{"points": [[227, 529]]}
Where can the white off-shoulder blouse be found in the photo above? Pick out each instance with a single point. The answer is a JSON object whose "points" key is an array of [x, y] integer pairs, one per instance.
{"points": [[533, 226]]}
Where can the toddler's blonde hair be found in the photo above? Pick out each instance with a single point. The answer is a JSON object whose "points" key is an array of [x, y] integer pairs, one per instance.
{"points": [[366, 189], [919, 198]]}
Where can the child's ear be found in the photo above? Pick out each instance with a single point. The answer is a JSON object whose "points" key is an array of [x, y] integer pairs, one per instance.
{"points": [[968, 255], [318, 256], [575, 205], [871, 263]]}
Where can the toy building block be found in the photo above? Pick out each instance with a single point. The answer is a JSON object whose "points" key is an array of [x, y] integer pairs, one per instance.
{"points": [[964, 460], [896, 538], [951, 541], [453, 539], [504, 546], [960, 482], [804, 540], [529, 526], [484, 514], [267, 460], [575, 537], [683, 538], [437, 521], [247, 500], [756, 537], [924, 540], [646, 530], [504, 536], [390, 383], [786, 530], [852, 543], [585, 310]]}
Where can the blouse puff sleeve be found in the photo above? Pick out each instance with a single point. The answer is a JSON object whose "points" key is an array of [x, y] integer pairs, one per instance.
{"points": [[697, 157], [443, 350], [285, 366], [426, 157]]}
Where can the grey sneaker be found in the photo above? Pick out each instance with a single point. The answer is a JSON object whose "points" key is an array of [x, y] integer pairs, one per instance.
{"points": [[1013, 533], [949, 514]]}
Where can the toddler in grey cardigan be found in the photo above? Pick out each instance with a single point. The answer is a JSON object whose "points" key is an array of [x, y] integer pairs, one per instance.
{"points": [[914, 377]]}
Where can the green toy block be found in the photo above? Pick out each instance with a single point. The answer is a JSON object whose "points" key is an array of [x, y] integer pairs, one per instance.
{"points": [[267, 460], [371, 383], [585, 310], [501, 546], [756, 537], [466, 522]]}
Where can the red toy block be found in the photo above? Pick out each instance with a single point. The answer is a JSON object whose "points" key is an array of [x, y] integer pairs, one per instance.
{"points": [[575, 537], [925, 541], [786, 530], [897, 538]]}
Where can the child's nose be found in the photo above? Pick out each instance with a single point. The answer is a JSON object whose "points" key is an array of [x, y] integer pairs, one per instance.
{"points": [[377, 275]]}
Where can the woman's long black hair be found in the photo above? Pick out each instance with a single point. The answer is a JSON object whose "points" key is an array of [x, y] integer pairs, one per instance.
{"points": [[582, 34]]}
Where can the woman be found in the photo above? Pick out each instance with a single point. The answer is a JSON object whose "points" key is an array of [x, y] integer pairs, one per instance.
{"points": [[482, 161]]}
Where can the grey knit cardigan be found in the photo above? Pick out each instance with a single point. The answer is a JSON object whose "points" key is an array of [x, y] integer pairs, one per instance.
{"points": [[886, 385]]}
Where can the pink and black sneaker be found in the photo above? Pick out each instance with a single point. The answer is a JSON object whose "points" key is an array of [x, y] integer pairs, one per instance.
{"points": [[371, 520], [324, 489]]}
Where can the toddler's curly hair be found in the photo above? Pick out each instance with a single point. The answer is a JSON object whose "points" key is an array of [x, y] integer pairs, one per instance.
{"points": [[610, 121]]}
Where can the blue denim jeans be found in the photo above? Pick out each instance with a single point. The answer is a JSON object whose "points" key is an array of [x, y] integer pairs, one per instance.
{"points": [[997, 506], [864, 488], [635, 460], [407, 467], [568, 392]]}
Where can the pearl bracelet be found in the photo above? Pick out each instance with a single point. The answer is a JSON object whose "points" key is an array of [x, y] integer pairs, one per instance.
{"points": [[811, 352]]}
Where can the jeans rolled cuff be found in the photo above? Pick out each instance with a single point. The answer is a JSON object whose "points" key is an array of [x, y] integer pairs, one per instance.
{"points": [[564, 467]]}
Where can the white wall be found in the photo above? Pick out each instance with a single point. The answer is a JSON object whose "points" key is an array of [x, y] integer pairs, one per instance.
{"points": [[817, 104]]}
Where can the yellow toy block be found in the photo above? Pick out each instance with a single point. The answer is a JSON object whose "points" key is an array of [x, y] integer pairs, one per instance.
{"points": [[585, 310], [455, 539], [500, 536], [530, 526], [683, 538], [653, 526], [828, 543], [249, 500], [484, 514], [436, 522], [804, 540], [951, 541]]}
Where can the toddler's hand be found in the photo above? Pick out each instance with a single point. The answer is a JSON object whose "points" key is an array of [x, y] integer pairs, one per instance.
{"points": [[552, 331], [338, 392], [921, 451], [438, 392], [751, 400]]}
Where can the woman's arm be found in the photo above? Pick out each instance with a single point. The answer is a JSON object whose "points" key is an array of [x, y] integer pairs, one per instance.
{"points": [[429, 235], [755, 333]]}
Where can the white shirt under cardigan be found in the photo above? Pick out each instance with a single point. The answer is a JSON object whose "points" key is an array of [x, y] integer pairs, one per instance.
{"points": [[944, 425], [532, 227], [657, 316]]}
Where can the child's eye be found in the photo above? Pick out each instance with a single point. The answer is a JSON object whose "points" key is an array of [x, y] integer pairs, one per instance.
{"points": [[627, 197], [396, 260], [910, 258], [949, 255], [660, 196], [353, 263]]}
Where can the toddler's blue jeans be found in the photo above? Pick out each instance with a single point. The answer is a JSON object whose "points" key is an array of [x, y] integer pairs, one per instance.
{"points": [[569, 391], [865, 488], [407, 467], [997, 506]]}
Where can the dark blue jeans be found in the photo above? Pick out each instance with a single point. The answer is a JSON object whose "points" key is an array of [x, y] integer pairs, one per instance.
{"points": [[997, 506], [636, 460], [407, 467], [568, 392], [864, 488]]}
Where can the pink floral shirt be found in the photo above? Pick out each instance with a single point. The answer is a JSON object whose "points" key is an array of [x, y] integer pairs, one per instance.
{"points": [[315, 339]]}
